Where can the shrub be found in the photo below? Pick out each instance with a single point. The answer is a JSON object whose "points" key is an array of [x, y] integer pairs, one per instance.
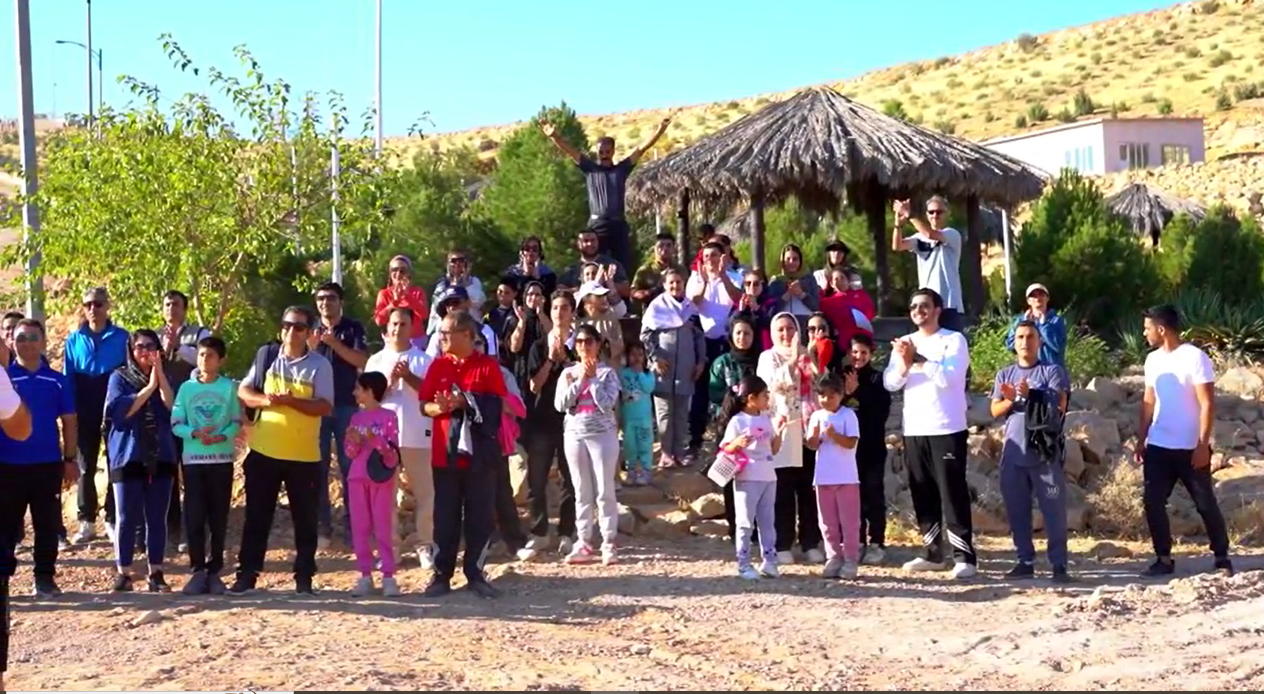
{"points": [[1165, 106], [1020, 121], [1221, 57], [1220, 253], [946, 127], [1231, 334], [1192, 52], [1087, 257], [895, 109], [1223, 101], [1064, 116], [1037, 112], [1248, 90], [1082, 104], [942, 61], [1026, 42], [1095, 57], [1087, 355]]}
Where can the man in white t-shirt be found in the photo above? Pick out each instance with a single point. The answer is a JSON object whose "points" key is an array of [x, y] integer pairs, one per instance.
{"points": [[930, 366], [1174, 439], [714, 292], [938, 250], [404, 365]]}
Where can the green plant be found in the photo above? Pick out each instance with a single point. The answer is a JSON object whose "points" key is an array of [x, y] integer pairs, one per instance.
{"points": [[1064, 116], [1037, 112], [1020, 121], [1096, 57], [1220, 253], [1223, 101], [945, 126], [942, 61], [1026, 42], [894, 109], [1082, 104], [1165, 107], [1220, 58], [1248, 90], [1192, 52], [1231, 334], [1087, 355]]}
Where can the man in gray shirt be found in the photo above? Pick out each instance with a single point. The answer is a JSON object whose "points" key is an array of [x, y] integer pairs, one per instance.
{"points": [[607, 182], [938, 249]]}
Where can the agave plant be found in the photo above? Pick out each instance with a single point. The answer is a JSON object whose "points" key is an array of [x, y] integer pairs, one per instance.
{"points": [[1231, 334]]}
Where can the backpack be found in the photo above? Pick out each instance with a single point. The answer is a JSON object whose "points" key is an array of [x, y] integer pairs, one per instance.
{"points": [[1044, 425], [264, 357]]}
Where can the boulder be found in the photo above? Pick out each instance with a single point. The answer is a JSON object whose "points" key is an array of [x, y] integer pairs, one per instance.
{"points": [[1074, 463], [518, 475], [665, 520], [988, 522], [1099, 435], [1109, 394], [708, 506], [687, 486], [1240, 380], [627, 520], [1082, 399], [710, 528], [1232, 435], [980, 412], [639, 496]]}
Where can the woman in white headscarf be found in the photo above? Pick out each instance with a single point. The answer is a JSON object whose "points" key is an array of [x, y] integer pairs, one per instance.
{"points": [[789, 373]]}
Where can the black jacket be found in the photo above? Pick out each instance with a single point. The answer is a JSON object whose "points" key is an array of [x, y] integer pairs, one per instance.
{"points": [[872, 402]]}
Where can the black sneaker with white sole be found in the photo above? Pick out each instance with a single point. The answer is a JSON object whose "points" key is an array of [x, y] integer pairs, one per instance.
{"points": [[1224, 566], [1061, 576], [303, 585], [244, 584], [122, 584], [1021, 570], [45, 588], [1159, 569]]}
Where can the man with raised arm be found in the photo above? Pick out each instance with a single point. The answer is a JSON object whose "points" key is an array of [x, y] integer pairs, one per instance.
{"points": [[607, 182]]}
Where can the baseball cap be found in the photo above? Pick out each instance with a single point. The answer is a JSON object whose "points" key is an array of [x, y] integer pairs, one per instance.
{"points": [[591, 288], [1036, 287], [451, 295]]}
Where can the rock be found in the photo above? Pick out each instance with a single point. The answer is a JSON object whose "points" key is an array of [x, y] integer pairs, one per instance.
{"points": [[1109, 550], [627, 520], [1109, 394], [980, 412], [639, 496], [1073, 463], [1078, 514], [640, 649], [1248, 413], [1099, 435], [1082, 399], [986, 445], [687, 486], [665, 520], [987, 522], [710, 528], [518, 475], [1232, 434], [146, 618], [1240, 380], [708, 506], [984, 491]]}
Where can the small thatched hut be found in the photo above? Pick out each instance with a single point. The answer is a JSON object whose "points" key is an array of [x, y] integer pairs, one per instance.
{"points": [[822, 148], [1149, 209]]}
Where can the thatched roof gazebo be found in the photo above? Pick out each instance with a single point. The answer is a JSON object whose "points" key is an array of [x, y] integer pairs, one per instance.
{"points": [[1149, 209], [823, 148]]}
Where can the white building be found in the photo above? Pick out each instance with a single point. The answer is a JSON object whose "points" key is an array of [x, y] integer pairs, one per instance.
{"points": [[1106, 145]]}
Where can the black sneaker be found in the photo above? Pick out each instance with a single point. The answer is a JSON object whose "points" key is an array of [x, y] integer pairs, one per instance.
{"points": [[45, 588], [437, 587], [1159, 569], [199, 584], [215, 585], [303, 585], [483, 589], [1021, 570], [1224, 566], [157, 583], [244, 584], [1061, 576], [122, 584]]}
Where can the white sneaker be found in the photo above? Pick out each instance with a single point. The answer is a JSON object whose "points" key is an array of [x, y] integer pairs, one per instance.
{"points": [[87, 533], [109, 532], [533, 548], [390, 587], [923, 564], [962, 570], [748, 573], [609, 555], [849, 570], [874, 555], [565, 546], [580, 554], [769, 570], [425, 557], [832, 567], [363, 587], [816, 556], [785, 558]]}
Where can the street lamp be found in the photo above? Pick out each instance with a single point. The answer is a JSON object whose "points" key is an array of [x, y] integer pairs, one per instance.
{"points": [[100, 73]]}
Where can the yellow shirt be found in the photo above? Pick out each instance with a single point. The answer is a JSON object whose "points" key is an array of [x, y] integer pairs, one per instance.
{"points": [[285, 433]]}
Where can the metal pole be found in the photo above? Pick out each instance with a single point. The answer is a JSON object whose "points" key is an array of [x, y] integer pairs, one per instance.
{"points": [[30, 177], [88, 5], [100, 78], [1005, 243], [336, 241], [658, 223], [378, 144]]}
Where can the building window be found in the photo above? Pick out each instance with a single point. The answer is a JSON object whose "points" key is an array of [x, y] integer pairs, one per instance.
{"points": [[1175, 154], [1137, 154]]}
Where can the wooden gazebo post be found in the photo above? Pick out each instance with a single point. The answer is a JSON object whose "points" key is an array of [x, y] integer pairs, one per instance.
{"points": [[757, 232], [874, 204], [972, 257], [683, 255]]}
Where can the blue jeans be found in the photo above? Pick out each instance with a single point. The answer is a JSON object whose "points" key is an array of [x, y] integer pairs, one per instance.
{"points": [[334, 428], [142, 503]]}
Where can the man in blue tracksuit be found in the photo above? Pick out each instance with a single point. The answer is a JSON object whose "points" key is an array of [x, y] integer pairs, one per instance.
{"points": [[1032, 396], [92, 353]]}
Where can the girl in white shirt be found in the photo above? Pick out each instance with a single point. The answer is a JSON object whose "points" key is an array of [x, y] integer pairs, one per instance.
{"points": [[751, 434], [834, 432]]}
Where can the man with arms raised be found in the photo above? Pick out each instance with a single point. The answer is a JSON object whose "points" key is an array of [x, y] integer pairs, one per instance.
{"points": [[938, 250], [1174, 439], [930, 366]]}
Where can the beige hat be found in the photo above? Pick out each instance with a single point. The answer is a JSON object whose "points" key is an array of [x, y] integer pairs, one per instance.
{"points": [[1036, 287]]}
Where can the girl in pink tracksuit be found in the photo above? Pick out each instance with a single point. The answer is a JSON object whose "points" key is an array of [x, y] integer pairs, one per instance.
{"points": [[372, 503]]}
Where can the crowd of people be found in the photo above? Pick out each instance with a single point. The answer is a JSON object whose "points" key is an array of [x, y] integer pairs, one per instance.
{"points": [[781, 367]]}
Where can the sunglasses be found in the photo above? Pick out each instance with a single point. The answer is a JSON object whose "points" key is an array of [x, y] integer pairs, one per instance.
{"points": [[818, 328], [753, 283], [291, 325], [584, 340], [920, 306], [94, 304], [26, 337], [934, 213], [145, 347], [326, 297]]}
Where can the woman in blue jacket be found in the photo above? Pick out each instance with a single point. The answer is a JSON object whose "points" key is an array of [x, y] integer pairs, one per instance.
{"points": [[1053, 330], [142, 456]]}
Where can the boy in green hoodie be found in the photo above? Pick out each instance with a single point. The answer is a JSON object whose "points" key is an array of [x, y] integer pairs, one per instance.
{"points": [[207, 416]]}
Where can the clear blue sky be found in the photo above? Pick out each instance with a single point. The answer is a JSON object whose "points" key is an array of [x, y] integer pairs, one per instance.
{"points": [[477, 63]]}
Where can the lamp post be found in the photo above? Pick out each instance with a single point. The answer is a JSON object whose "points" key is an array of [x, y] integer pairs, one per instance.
{"points": [[30, 179], [378, 101], [100, 72]]}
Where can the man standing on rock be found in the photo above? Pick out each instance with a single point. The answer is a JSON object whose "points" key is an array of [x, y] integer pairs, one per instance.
{"points": [[1174, 439], [607, 184], [930, 366], [1032, 396]]}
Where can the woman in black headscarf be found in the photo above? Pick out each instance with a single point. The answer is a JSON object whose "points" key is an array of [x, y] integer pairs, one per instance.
{"points": [[726, 373], [528, 323]]}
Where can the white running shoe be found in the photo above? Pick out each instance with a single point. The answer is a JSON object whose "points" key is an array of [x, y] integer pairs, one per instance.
{"points": [[88, 532], [748, 573], [769, 570], [832, 567], [962, 570], [923, 564], [874, 555], [785, 558], [815, 556], [580, 554], [533, 548], [425, 557], [849, 570], [565, 546]]}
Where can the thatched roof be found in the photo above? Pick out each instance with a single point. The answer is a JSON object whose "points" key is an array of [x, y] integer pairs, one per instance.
{"points": [[1149, 209], [818, 145]]}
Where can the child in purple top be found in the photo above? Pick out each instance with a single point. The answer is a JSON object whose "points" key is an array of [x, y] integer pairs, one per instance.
{"points": [[372, 503]]}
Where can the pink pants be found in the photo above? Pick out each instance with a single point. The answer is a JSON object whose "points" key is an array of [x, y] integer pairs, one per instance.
{"points": [[373, 517], [838, 508]]}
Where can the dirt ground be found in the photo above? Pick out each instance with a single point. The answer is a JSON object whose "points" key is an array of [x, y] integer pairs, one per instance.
{"points": [[672, 616]]}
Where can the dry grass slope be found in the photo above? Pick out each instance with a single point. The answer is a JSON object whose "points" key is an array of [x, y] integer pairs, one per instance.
{"points": [[1204, 58]]}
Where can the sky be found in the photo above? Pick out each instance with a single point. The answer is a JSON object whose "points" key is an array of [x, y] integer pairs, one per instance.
{"points": [[490, 62]]}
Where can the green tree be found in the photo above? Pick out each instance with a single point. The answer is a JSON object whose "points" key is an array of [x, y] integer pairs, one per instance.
{"points": [[191, 198], [1220, 254], [537, 190]]}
